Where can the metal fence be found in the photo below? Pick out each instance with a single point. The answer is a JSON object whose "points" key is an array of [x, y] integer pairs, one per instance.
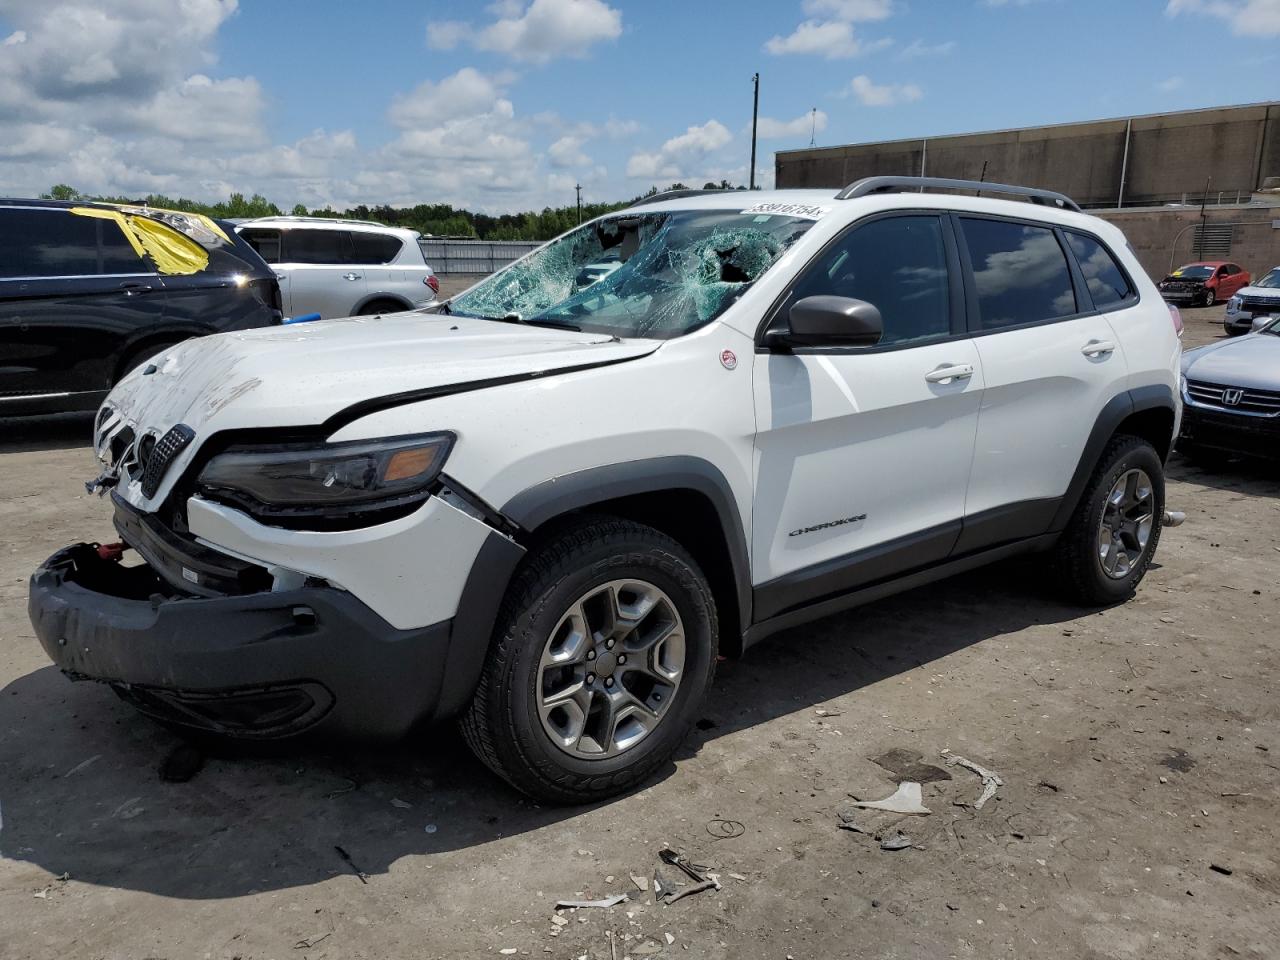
{"points": [[446, 256]]}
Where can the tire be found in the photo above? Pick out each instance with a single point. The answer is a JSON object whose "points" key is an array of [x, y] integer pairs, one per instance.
{"points": [[578, 571], [1233, 332], [1079, 558], [136, 357], [1210, 298], [381, 306]]}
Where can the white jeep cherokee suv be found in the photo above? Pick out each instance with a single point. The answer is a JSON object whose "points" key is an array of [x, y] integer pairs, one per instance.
{"points": [[548, 506], [341, 268]]}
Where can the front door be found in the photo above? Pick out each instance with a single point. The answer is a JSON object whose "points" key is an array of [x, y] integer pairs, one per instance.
{"points": [[863, 454], [73, 292]]}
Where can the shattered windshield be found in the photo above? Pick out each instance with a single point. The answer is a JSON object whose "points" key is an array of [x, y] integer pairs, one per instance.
{"points": [[654, 275]]}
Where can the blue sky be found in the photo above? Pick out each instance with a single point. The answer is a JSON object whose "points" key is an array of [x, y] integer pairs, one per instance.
{"points": [[505, 106]]}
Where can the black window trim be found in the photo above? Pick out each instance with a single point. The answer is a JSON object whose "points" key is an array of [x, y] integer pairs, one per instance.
{"points": [[149, 268], [1081, 289], [957, 303]]}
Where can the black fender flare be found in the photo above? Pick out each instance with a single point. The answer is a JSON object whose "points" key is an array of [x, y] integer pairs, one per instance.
{"points": [[530, 509], [373, 297], [1118, 409]]}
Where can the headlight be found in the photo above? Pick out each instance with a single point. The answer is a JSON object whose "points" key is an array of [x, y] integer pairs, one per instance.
{"points": [[1233, 304], [1182, 383], [351, 483]]}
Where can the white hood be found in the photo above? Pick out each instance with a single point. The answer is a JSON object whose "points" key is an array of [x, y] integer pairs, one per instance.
{"points": [[301, 375]]}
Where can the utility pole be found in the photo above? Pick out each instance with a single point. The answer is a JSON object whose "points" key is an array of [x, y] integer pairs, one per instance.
{"points": [[578, 187], [1203, 200], [755, 112], [813, 127]]}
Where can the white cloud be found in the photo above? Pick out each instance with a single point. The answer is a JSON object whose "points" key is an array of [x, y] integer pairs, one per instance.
{"points": [[460, 94], [1169, 84], [870, 94], [919, 49], [770, 129], [567, 152], [850, 10], [679, 156], [833, 39], [1246, 17], [15, 38], [543, 31]]}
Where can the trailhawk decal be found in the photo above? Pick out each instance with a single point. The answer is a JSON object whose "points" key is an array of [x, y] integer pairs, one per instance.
{"points": [[809, 211], [827, 525]]}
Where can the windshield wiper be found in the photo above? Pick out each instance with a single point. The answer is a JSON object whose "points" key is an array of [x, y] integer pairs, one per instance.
{"points": [[517, 318]]}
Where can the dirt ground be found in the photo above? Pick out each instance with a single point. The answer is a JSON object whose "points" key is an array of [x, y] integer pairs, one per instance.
{"points": [[1139, 749]]}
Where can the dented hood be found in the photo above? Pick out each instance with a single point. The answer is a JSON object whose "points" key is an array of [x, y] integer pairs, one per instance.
{"points": [[313, 374]]}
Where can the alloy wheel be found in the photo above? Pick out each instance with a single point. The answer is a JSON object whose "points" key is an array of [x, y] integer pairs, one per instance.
{"points": [[610, 669], [1127, 520]]}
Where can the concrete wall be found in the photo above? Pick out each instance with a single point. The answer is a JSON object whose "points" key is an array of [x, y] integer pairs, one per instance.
{"points": [[1160, 235], [1170, 155]]}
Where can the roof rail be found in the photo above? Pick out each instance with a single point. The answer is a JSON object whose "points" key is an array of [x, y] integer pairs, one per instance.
{"points": [[870, 185], [364, 223], [676, 195]]}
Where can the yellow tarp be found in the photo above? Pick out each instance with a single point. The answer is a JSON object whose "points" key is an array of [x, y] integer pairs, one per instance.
{"points": [[172, 252]]}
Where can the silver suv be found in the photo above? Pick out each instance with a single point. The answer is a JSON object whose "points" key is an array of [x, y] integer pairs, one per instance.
{"points": [[341, 268]]}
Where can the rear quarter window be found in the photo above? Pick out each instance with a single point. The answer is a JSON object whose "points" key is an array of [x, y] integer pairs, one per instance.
{"points": [[265, 242], [374, 247], [1107, 283]]}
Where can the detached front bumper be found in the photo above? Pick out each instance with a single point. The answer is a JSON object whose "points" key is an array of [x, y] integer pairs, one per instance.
{"points": [[258, 665]]}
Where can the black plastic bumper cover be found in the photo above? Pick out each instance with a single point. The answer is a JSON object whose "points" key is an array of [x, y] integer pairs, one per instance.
{"points": [[257, 665], [1253, 436]]}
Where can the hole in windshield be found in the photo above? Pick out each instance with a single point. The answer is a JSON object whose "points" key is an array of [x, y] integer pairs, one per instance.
{"points": [[656, 275]]}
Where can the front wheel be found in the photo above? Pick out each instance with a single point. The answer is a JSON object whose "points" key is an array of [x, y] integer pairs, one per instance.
{"points": [[1210, 298], [605, 646], [1109, 542]]}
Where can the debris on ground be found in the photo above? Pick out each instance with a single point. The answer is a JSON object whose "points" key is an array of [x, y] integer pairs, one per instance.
{"points": [[641, 883], [584, 904], [849, 821], [364, 877], [990, 779], [82, 765], [1225, 871], [907, 799], [725, 829], [401, 804], [183, 762], [898, 841], [311, 941], [667, 891], [907, 764]]}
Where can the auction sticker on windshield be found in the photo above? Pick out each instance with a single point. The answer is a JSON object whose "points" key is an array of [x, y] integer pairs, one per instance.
{"points": [[808, 211]]}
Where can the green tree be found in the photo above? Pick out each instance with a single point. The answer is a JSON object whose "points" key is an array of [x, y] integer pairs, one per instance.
{"points": [[299, 210], [61, 191]]}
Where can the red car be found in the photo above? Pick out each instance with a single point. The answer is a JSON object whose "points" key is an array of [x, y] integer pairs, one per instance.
{"points": [[1204, 283]]}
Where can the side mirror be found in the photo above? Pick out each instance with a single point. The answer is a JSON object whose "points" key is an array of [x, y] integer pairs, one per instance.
{"points": [[827, 321]]}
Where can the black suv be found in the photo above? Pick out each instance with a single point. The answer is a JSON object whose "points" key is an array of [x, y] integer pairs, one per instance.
{"points": [[90, 290]]}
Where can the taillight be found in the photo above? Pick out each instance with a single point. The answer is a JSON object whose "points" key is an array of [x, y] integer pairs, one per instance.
{"points": [[433, 283], [1176, 316]]}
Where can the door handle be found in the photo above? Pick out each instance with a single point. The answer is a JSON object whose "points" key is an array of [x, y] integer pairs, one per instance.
{"points": [[133, 289], [351, 276], [949, 372], [1098, 348]]}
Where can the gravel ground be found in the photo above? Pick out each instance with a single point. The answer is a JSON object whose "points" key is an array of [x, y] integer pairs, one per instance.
{"points": [[1138, 747]]}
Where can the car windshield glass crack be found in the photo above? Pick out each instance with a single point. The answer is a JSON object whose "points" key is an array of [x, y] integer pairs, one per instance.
{"points": [[638, 275]]}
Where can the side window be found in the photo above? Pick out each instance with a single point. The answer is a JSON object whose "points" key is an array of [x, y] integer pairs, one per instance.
{"points": [[1020, 272], [266, 242], [1106, 281], [899, 264], [317, 246], [58, 243], [118, 255], [374, 247]]}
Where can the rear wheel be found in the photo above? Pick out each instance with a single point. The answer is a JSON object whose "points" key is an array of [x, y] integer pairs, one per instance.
{"points": [[605, 646], [1110, 540], [381, 306]]}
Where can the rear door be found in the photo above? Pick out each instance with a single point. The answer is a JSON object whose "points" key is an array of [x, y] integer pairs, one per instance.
{"points": [[382, 257], [73, 293], [863, 453], [323, 278], [1051, 363]]}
